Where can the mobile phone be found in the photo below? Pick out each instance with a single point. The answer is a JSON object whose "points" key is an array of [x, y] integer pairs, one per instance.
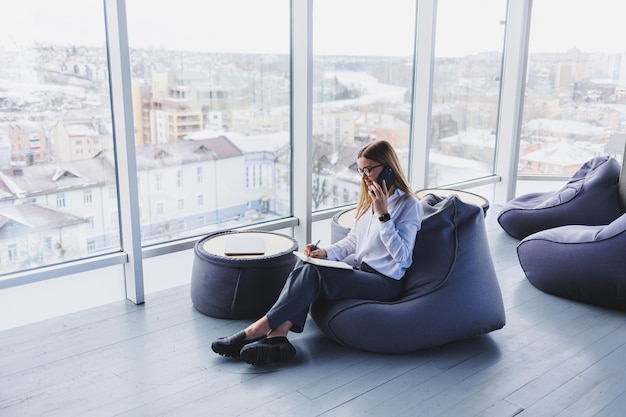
{"points": [[388, 175]]}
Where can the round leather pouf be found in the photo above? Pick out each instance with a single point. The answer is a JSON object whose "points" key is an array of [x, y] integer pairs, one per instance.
{"points": [[240, 286], [341, 224]]}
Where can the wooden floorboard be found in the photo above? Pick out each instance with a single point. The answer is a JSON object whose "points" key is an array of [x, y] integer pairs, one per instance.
{"points": [[554, 357]]}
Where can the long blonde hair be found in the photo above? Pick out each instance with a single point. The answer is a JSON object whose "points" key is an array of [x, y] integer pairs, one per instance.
{"points": [[382, 152]]}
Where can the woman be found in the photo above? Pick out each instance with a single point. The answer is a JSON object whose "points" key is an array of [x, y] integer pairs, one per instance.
{"points": [[388, 217]]}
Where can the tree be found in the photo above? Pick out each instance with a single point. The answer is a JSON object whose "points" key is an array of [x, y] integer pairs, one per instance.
{"points": [[321, 165]]}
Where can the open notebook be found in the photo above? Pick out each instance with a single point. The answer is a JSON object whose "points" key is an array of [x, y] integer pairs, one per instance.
{"points": [[244, 245], [323, 262]]}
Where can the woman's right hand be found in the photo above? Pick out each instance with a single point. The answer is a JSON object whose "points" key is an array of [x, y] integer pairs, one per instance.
{"points": [[314, 252]]}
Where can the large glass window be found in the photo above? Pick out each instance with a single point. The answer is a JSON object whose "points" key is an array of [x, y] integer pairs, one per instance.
{"points": [[55, 134], [362, 83], [575, 99], [466, 89], [211, 106]]}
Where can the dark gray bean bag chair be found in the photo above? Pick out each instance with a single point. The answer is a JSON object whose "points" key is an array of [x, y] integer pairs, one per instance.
{"points": [[451, 290], [582, 263], [589, 198]]}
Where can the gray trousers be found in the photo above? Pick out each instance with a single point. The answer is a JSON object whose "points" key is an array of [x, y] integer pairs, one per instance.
{"points": [[307, 282]]}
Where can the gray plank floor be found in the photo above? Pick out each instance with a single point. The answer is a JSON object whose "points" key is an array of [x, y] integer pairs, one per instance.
{"points": [[554, 357]]}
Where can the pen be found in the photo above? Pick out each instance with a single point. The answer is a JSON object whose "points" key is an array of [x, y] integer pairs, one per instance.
{"points": [[315, 246]]}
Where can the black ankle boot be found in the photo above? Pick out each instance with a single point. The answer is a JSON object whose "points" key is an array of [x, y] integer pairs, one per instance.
{"points": [[231, 346], [269, 350]]}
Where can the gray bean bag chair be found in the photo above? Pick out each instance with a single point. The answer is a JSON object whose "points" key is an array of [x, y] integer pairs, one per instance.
{"points": [[451, 290], [582, 263], [589, 198]]}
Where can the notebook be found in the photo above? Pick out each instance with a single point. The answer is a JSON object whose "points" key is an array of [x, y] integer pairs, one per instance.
{"points": [[323, 262], [244, 245]]}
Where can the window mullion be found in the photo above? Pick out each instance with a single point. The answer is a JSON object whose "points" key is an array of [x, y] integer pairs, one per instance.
{"points": [[301, 117], [124, 142], [422, 92], [512, 98]]}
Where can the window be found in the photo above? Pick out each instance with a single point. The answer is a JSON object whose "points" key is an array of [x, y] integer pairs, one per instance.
{"points": [[214, 106], [114, 218], [466, 90], [213, 103], [363, 72], [157, 182], [573, 102], [60, 201], [12, 249]]}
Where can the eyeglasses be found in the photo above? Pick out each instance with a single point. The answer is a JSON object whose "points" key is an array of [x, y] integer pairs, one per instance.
{"points": [[367, 170]]}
